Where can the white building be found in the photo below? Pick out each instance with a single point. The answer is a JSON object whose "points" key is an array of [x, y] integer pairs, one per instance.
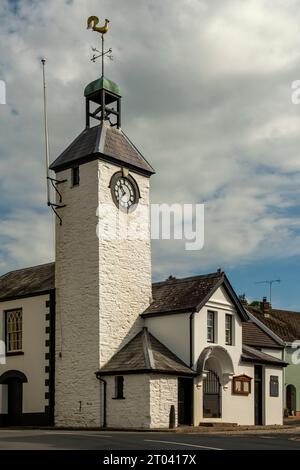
{"points": [[94, 343]]}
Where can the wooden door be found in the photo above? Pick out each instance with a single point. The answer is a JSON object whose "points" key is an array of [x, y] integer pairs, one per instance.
{"points": [[258, 395]]}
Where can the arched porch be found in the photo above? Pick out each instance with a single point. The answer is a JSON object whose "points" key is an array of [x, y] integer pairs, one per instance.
{"points": [[215, 370]]}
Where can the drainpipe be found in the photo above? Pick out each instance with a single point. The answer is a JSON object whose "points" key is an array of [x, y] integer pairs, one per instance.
{"points": [[104, 399], [192, 338]]}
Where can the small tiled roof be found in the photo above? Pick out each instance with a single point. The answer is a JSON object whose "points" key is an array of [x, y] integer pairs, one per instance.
{"points": [[106, 143], [253, 335], [189, 294], [253, 355], [145, 354], [284, 323], [27, 282]]}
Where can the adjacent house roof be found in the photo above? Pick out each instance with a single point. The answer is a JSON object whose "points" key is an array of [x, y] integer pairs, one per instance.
{"points": [[254, 336], [253, 355], [27, 282], [106, 143], [189, 294], [145, 354], [284, 323]]}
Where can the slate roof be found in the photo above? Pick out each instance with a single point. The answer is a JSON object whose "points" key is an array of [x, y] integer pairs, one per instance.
{"points": [[284, 323], [145, 354], [189, 294], [182, 295], [106, 143], [27, 282], [253, 355], [254, 336]]}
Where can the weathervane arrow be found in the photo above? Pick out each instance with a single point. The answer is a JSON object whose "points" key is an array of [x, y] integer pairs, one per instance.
{"points": [[92, 23]]}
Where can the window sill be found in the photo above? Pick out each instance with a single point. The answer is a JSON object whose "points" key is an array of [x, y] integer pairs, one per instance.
{"points": [[118, 398], [14, 353]]}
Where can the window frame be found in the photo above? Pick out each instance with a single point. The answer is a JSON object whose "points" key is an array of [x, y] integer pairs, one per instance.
{"points": [[274, 386], [18, 341], [214, 314], [119, 388], [229, 316], [75, 171]]}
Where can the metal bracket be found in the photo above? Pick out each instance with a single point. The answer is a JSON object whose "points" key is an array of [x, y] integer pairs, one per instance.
{"points": [[54, 206], [54, 183]]}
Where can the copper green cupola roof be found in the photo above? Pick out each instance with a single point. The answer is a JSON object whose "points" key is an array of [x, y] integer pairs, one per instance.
{"points": [[100, 84]]}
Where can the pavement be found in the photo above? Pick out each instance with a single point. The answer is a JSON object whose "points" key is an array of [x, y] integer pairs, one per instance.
{"points": [[15, 439]]}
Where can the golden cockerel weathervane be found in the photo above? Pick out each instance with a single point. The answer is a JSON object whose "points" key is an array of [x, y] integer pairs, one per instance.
{"points": [[92, 23]]}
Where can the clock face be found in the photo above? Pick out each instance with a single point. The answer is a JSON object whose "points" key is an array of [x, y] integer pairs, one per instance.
{"points": [[124, 192]]}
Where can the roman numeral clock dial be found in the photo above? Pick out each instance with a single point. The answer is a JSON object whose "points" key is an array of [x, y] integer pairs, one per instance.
{"points": [[124, 191]]}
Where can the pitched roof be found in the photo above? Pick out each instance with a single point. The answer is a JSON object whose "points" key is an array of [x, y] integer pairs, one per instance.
{"points": [[145, 354], [253, 355], [27, 282], [106, 143], [253, 335], [284, 323], [189, 294]]}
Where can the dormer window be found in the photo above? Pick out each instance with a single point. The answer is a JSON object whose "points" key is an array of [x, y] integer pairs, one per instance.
{"points": [[75, 176]]}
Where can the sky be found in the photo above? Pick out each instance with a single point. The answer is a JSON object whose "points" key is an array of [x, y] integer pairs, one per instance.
{"points": [[206, 98]]}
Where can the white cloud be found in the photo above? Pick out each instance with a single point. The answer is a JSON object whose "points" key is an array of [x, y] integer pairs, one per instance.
{"points": [[207, 88]]}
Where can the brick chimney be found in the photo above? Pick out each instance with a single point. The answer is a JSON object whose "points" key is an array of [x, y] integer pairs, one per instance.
{"points": [[265, 307]]}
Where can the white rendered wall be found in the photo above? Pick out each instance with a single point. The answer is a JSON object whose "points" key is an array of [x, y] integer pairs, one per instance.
{"points": [[33, 362], [102, 287], [173, 331], [273, 413], [235, 408], [278, 353]]}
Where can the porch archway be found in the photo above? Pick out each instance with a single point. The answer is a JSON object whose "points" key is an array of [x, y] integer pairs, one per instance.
{"points": [[217, 358]]}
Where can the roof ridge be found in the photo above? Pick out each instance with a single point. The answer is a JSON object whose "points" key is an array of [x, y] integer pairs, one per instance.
{"points": [[149, 359], [189, 278], [28, 267], [285, 311], [282, 310]]}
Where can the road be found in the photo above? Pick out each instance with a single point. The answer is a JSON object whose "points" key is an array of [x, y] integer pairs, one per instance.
{"points": [[97, 440]]}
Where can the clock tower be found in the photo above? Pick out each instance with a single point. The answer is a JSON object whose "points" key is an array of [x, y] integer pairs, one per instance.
{"points": [[103, 264]]}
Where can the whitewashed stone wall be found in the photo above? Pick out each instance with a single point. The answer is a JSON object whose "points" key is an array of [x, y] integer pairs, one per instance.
{"points": [[163, 394], [102, 286], [77, 400], [134, 410], [147, 403], [125, 269]]}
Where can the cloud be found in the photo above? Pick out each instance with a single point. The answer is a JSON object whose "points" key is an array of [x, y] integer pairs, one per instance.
{"points": [[207, 99]]}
